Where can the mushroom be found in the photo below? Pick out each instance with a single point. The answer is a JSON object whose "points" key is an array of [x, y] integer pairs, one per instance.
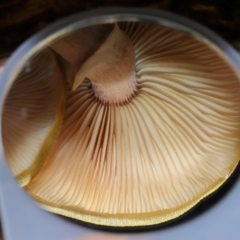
{"points": [[33, 114], [151, 127]]}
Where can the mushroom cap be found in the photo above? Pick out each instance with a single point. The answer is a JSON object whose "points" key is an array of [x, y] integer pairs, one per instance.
{"points": [[33, 114], [156, 156]]}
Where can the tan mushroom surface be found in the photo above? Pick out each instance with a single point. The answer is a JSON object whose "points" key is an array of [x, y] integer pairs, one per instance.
{"points": [[151, 127], [32, 115]]}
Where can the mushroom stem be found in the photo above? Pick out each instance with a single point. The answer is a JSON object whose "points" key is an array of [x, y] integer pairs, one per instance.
{"points": [[75, 48], [111, 69]]}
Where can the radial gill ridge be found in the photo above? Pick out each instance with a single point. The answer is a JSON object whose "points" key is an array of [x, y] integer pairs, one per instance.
{"points": [[172, 142]]}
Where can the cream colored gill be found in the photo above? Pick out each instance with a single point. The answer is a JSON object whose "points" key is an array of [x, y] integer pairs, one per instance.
{"points": [[32, 115], [155, 156]]}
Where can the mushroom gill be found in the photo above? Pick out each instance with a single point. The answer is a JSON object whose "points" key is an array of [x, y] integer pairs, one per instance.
{"points": [[152, 155], [32, 115]]}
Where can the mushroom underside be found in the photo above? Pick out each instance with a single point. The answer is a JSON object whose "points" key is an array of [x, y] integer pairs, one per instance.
{"points": [[32, 115], [153, 157]]}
